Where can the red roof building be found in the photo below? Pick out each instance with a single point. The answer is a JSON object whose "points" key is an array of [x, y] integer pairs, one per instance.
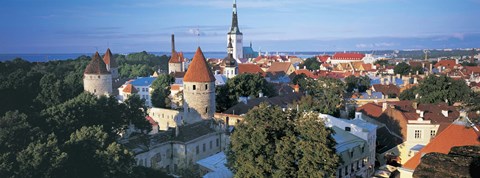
{"points": [[129, 89], [250, 69], [348, 56], [453, 135], [199, 71]]}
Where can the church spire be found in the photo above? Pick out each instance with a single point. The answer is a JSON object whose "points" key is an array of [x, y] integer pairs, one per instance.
{"points": [[234, 29]]}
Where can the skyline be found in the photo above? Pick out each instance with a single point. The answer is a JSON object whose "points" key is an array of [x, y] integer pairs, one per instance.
{"points": [[54, 26]]}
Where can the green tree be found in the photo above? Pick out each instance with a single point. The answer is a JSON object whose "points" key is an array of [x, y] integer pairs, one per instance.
{"points": [[326, 96], [91, 153], [435, 89], [311, 64], [242, 85], [402, 69], [41, 159], [273, 143], [360, 83], [408, 94], [161, 90]]}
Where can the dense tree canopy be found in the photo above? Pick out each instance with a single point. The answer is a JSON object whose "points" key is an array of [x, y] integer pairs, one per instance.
{"points": [[50, 128], [360, 83], [273, 143], [140, 64], [324, 95], [310, 64], [242, 85], [435, 89], [161, 90], [402, 69]]}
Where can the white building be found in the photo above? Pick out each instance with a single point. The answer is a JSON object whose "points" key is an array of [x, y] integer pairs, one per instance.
{"points": [[356, 143], [141, 87]]}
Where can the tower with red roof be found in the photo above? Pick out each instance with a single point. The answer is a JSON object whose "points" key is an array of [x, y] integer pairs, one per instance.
{"points": [[110, 63], [199, 90], [96, 78]]}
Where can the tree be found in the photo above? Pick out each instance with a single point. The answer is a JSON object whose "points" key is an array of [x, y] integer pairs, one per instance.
{"points": [[273, 143], [402, 68], [242, 85], [311, 64], [91, 153], [324, 95], [161, 90], [360, 83], [408, 94], [41, 159], [435, 89]]}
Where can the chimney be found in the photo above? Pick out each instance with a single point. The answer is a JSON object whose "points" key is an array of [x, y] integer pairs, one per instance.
{"points": [[445, 113], [381, 80], [369, 92], [358, 115], [415, 80], [173, 43], [260, 95], [296, 88], [431, 68], [384, 106], [415, 105]]}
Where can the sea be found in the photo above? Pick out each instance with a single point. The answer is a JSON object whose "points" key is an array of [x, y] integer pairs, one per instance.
{"points": [[65, 56]]}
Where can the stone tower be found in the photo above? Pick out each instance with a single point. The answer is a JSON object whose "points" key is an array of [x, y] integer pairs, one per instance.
{"points": [[96, 78], [235, 35], [175, 64], [198, 90], [230, 69], [111, 64]]}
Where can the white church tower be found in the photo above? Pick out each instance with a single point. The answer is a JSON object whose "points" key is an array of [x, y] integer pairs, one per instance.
{"points": [[235, 35]]}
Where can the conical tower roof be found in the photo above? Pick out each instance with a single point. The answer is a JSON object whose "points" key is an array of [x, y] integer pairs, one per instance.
{"points": [[96, 66], [198, 70], [109, 60]]}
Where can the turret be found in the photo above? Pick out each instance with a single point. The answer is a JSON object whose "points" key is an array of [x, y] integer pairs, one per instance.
{"points": [[96, 78], [110, 63]]}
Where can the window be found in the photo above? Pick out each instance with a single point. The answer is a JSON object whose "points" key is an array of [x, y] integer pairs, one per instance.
{"points": [[206, 86], [99, 76], [204, 147], [418, 134], [347, 129], [433, 133], [206, 110], [94, 90], [197, 150], [194, 87], [211, 143], [218, 143]]}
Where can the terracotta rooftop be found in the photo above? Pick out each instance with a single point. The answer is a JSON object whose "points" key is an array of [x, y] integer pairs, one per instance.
{"points": [[306, 72], [348, 56], [152, 122], [387, 89], [279, 67], [177, 57], [198, 70], [446, 63], [371, 109], [109, 59], [453, 135], [96, 66], [323, 58], [129, 89], [250, 69]]}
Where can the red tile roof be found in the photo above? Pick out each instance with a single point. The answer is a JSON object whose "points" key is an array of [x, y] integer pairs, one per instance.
{"points": [[280, 67], [250, 69], [177, 57], [453, 135], [348, 56], [306, 72], [474, 69], [129, 89], [152, 122], [109, 60], [371, 109], [175, 87], [446, 63], [323, 58], [96, 66], [387, 89], [198, 70]]}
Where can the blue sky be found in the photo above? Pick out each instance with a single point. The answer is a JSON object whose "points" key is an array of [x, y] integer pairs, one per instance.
{"points": [[66, 26]]}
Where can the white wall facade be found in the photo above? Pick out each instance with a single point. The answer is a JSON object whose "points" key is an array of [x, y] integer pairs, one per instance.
{"points": [[237, 43], [98, 84]]}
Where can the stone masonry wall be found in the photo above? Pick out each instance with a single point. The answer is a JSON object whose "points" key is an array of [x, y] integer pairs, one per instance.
{"points": [[98, 84], [199, 103]]}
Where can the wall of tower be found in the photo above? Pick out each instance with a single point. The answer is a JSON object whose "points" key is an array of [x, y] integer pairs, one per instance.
{"points": [[98, 84], [237, 43], [114, 72], [175, 67], [199, 101], [230, 72]]}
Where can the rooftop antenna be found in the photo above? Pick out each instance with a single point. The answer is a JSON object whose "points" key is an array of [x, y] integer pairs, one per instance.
{"points": [[197, 31]]}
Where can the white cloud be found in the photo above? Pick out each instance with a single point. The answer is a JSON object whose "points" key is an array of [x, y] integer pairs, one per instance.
{"points": [[375, 45]]}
